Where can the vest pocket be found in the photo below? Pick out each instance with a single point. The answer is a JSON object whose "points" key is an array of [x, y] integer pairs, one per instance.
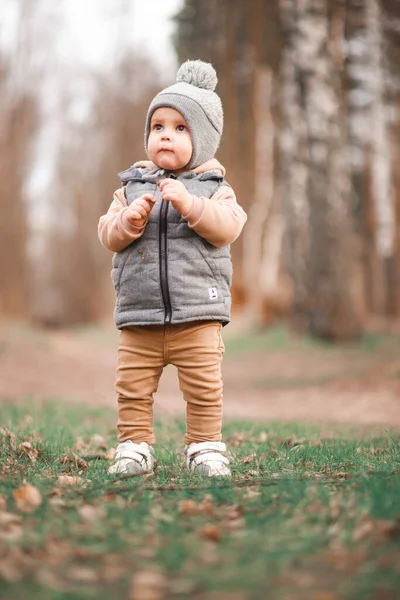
{"points": [[206, 249], [137, 279]]}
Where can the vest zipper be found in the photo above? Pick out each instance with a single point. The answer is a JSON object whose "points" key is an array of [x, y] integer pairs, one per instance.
{"points": [[163, 248]]}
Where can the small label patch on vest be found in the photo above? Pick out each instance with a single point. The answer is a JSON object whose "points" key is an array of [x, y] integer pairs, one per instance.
{"points": [[212, 293]]}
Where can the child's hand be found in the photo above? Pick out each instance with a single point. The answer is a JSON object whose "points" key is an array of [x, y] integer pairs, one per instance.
{"points": [[177, 194], [138, 212]]}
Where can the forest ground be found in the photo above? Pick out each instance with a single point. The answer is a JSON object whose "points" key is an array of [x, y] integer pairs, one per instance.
{"points": [[311, 513], [269, 375]]}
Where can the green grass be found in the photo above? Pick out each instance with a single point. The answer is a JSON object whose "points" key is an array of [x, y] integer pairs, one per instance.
{"points": [[308, 513]]}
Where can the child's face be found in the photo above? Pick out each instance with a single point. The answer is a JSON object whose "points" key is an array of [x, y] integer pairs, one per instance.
{"points": [[169, 145]]}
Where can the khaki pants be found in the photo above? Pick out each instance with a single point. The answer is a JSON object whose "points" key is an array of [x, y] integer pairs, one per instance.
{"points": [[196, 350]]}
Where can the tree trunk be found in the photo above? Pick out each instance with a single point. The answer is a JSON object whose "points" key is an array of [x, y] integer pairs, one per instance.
{"points": [[18, 123], [263, 234], [381, 177], [294, 166], [322, 253]]}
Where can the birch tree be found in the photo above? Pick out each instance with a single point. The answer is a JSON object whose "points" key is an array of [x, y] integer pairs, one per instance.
{"points": [[371, 152], [390, 14], [321, 252]]}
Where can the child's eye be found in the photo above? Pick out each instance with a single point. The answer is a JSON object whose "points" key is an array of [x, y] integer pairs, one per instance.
{"points": [[181, 128], [157, 127]]}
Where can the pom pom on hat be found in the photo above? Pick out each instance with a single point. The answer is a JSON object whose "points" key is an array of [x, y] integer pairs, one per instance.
{"points": [[198, 73]]}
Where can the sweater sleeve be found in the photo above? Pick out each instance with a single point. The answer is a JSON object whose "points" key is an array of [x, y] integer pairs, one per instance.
{"points": [[219, 219], [115, 231]]}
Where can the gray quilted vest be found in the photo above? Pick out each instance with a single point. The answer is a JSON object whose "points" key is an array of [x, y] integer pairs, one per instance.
{"points": [[170, 274]]}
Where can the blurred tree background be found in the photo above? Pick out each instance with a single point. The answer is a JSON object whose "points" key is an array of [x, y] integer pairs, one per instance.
{"points": [[311, 95]]}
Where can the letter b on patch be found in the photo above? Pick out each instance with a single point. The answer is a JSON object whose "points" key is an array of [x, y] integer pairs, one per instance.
{"points": [[212, 293]]}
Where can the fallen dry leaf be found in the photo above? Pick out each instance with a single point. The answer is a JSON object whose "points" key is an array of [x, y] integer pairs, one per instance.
{"points": [[74, 460], [234, 511], [57, 502], [157, 512], [388, 529], [379, 530], [292, 441], [110, 454], [26, 448], [55, 493], [206, 506], [238, 439], [188, 507], [10, 526], [363, 530], [246, 460], [7, 518], [113, 497], [82, 574], [235, 524], [297, 447], [80, 444], [66, 480], [27, 498], [211, 532], [251, 493], [90, 513], [9, 436], [109, 497], [98, 441], [148, 585]]}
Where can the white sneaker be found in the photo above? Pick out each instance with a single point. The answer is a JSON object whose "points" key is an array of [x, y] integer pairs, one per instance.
{"points": [[205, 458], [132, 459]]}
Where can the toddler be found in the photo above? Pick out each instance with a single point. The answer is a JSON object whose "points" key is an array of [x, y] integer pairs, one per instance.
{"points": [[170, 226]]}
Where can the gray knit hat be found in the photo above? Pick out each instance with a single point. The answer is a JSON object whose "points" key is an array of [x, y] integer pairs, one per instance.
{"points": [[194, 97]]}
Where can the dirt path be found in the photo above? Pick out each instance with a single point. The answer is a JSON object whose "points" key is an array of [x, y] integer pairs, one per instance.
{"points": [[295, 384]]}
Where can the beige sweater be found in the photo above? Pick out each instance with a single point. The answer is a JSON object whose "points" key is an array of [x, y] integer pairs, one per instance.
{"points": [[218, 219]]}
